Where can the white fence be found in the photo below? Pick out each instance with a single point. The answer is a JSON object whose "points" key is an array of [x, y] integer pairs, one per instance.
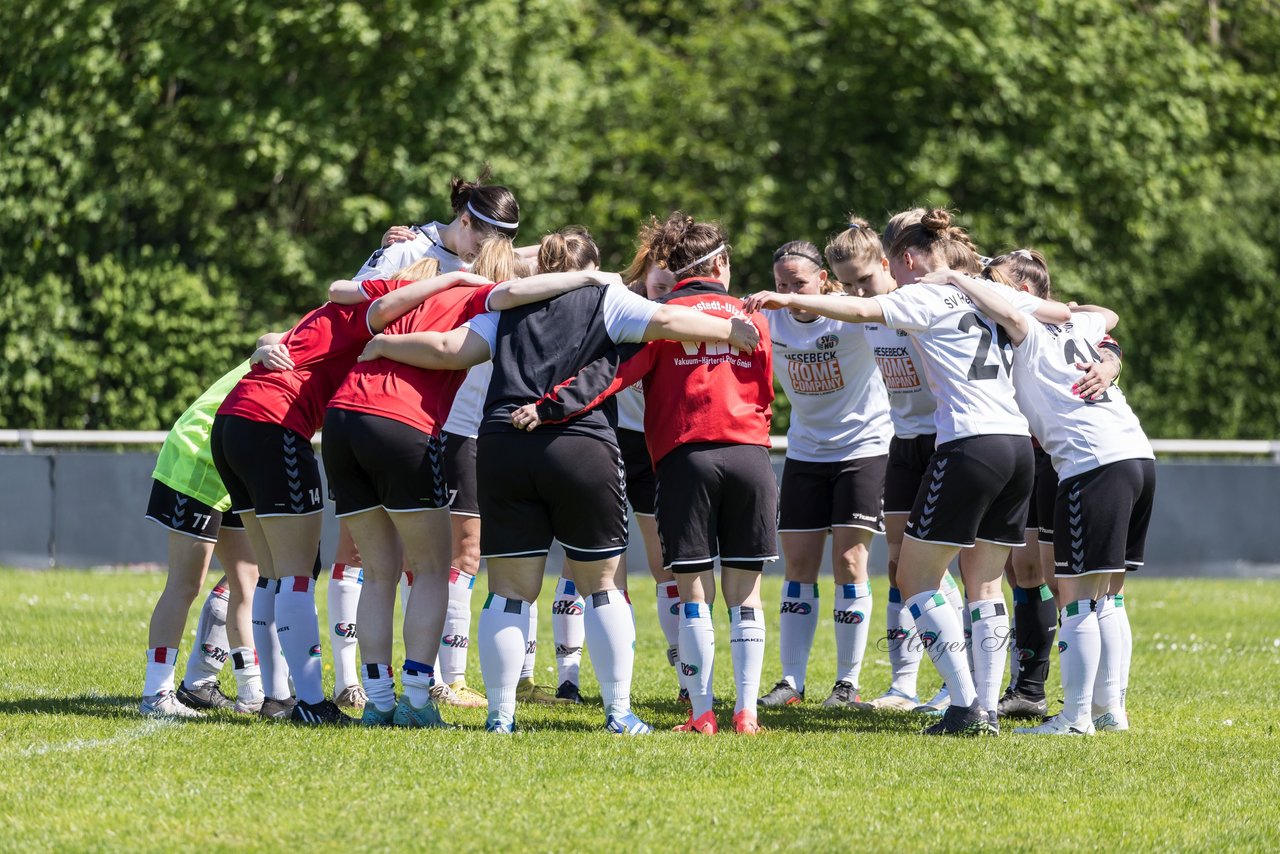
{"points": [[29, 440]]}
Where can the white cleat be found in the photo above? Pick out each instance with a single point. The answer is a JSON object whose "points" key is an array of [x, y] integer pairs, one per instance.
{"points": [[1111, 720], [1058, 725], [167, 705], [244, 707], [894, 701]]}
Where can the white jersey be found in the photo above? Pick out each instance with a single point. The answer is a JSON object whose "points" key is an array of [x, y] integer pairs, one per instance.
{"points": [[468, 405], [967, 358], [631, 408], [911, 403], [1079, 435], [426, 243], [839, 408]]}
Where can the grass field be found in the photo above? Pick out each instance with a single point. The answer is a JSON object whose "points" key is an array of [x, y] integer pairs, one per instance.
{"points": [[1199, 770]]}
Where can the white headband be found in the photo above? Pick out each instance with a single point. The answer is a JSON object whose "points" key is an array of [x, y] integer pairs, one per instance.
{"points": [[1023, 253], [495, 222], [713, 253]]}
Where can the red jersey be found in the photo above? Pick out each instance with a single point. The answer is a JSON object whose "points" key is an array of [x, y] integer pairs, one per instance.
{"points": [[693, 392], [410, 395]]}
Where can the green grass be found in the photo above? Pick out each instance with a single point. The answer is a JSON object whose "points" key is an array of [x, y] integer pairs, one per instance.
{"points": [[1200, 769]]}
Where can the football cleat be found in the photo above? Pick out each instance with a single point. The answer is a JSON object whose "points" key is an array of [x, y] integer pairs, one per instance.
{"points": [[1114, 720], [1058, 725], [351, 697], [705, 725], [627, 724], [457, 694], [962, 720], [276, 710], [497, 725], [418, 717], [937, 705], [528, 692], [845, 696], [167, 705], [206, 695], [746, 723], [894, 701], [783, 694], [1014, 705], [373, 716], [569, 691], [323, 713], [243, 707]]}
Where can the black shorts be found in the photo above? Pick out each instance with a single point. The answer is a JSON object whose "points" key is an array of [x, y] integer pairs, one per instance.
{"points": [[908, 460], [545, 485], [642, 483], [1101, 519], [460, 473], [819, 496], [1043, 498], [267, 469], [183, 514], [374, 461], [717, 500], [976, 488]]}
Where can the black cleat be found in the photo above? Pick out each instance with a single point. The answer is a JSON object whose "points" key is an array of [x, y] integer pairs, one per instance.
{"points": [[206, 696], [325, 712], [569, 691], [276, 710], [1015, 705], [962, 720]]}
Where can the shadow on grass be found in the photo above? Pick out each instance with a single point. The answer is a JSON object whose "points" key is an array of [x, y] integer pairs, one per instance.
{"points": [[115, 707]]}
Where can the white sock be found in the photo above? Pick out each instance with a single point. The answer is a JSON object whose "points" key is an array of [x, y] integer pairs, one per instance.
{"points": [[380, 686], [904, 645], [502, 640], [160, 660], [943, 636], [1106, 684], [1126, 646], [275, 672], [210, 650], [852, 615], [568, 631], [457, 628], [990, 620], [1079, 648], [244, 664], [697, 654], [955, 596], [345, 582], [797, 623], [418, 678], [669, 621], [611, 642], [299, 633], [746, 649], [530, 644]]}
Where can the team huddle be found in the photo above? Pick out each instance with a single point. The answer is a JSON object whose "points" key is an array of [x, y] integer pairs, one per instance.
{"points": [[480, 400]]}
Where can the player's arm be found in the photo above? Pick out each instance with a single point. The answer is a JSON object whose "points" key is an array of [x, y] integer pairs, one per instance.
{"points": [[589, 387], [455, 350], [395, 304], [346, 292], [1016, 323], [850, 309], [271, 354], [678, 323], [1109, 318], [1097, 377], [530, 289]]}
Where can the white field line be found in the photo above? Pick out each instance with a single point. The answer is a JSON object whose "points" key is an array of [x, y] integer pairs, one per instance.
{"points": [[143, 730]]}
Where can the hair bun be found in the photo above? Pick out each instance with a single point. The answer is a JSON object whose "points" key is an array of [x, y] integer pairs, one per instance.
{"points": [[937, 219]]}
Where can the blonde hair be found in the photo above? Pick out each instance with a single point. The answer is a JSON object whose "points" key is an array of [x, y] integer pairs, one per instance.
{"points": [[1021, 267], [496, 260], [568, 250], [857, 243], [426, 268], [935, 237]]}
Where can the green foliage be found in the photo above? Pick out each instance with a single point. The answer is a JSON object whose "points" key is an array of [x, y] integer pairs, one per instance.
{"points": [[243, 154]]}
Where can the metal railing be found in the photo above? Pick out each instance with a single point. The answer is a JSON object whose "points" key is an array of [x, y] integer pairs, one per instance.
{"points": [[29, 440]]}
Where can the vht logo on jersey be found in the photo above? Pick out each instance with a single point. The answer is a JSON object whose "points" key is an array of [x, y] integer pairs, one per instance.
{"points": [[814, 373], [713, 348]]}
